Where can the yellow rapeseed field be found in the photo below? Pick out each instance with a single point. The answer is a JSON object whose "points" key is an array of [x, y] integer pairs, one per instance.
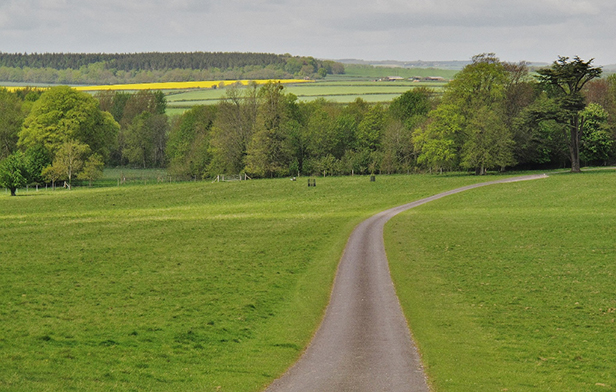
{"points": [[184, 85], [174, 85]]}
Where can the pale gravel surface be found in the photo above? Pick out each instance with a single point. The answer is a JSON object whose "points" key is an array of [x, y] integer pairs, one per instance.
{"points": [[364, 343]]}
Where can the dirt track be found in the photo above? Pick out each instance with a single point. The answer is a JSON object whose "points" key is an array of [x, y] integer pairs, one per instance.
{"points": [[363, 343]]}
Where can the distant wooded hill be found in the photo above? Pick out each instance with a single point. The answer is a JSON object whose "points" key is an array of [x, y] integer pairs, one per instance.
{"points": [[105, 68]]}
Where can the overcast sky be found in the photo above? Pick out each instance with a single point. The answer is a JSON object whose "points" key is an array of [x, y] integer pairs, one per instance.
{"points": [[532, 30]]}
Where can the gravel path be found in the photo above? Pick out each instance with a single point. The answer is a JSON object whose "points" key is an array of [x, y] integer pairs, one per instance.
{"points": [[363, 343]]}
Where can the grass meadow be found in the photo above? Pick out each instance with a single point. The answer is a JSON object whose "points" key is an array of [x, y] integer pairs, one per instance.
{"points": [[513, 287], [191, 286]]}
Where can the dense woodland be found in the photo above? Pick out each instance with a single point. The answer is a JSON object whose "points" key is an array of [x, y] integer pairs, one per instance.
{"points": [[492, 116], [101, 68]]}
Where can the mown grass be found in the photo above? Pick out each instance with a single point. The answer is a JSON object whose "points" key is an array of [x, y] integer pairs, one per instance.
{"points": [[194, 286], [512, 287]]}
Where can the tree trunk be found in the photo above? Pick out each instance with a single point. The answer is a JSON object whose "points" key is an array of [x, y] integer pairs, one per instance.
{"points": [[13, 190]]}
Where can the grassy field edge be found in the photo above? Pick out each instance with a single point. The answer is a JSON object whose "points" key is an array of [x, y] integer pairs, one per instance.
{"points": [[510, 287]]}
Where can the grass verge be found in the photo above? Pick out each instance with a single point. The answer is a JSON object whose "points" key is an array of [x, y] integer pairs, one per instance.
{"points": [[511, 287]]}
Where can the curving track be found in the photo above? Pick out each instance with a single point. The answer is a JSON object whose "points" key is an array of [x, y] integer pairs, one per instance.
{"points": [[363, 343]]}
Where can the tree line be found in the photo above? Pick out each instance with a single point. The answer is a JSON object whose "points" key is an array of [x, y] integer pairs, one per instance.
{"points": [[103, 68], [493, 116]]}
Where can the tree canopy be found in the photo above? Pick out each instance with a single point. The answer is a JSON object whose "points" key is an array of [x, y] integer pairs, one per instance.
{"points": [[63, 114], [14, 172], [11, 120]]}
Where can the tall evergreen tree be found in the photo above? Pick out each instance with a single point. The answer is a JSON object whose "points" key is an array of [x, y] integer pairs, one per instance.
{"points": [[564, 82]]}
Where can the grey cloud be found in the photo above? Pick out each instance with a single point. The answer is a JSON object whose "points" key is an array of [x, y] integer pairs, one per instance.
{"points": [[469, 13], [371, 29]]}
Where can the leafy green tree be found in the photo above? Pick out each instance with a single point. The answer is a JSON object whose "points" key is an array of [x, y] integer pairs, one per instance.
{"points": [[298, 138], [153, 102], [68, 162], [325, 137], [188, 147], [521, 91], [357, 109], [540, 136], [597, 143], [62, 114], [478, 94], [438, 143], [92, 169], [269, 152], [405, 114], [125, 108], [413, 103], [113, 102], [233, 130], [481, 83], [37, 159], [488, 143], [14, 172], [397, 147], [346, 128], [370, 129], [53, 174], [145, 140], [564, 82], [11, 120]]}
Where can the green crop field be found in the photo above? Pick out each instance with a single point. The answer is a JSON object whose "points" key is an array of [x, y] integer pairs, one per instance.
{"points": [[512, 287], [165, 287], [338, 88]]}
